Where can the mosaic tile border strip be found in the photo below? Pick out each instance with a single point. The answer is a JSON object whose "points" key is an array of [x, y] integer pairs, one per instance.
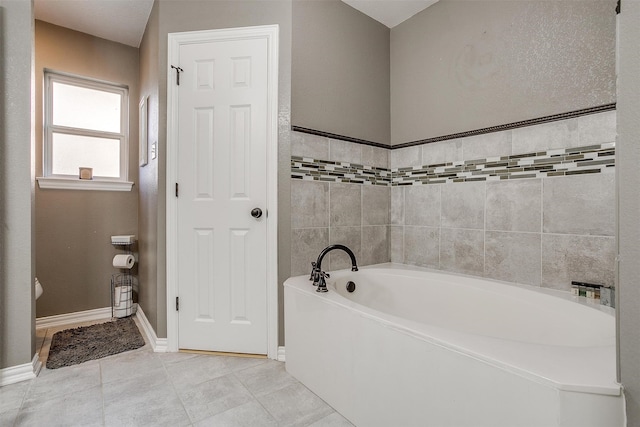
{"points": [[324, 170], [557, 162], [508, 126]]}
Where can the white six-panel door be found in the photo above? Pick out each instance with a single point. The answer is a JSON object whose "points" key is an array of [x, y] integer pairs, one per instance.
{"points": [[222, 175]]}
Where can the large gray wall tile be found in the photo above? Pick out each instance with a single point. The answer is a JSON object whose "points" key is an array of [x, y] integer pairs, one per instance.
{"points": [[375, 244], [422, 246], [580, 204], [463, 205], [588, 259], [307, 145], [405, 157], [493, 144], [513, 257], [547, 136], [422, 205], [306, 245], [309, 204], [351, 237], [397, 244], [397, 205], [442, 152], [597, 128], [346, 204], [514, 205], [343, 151], [462, 251], [375, 205], [375, 156]]}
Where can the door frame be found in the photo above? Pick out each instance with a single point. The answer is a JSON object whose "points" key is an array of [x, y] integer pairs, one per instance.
{"points": [[176, 40]]}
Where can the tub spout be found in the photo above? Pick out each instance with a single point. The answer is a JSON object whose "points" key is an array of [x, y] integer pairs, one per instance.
{"points": [[320, 276]]}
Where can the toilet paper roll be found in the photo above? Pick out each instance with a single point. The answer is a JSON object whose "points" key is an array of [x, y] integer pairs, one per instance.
{"points": [[123, 261], [116, 296]]}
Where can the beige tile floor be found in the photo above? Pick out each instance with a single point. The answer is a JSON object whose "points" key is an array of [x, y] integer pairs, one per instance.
{"points": [[143, 388]]}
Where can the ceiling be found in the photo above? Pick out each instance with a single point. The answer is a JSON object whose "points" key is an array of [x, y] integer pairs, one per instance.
{"points": [[390, 12], [124, 21]]}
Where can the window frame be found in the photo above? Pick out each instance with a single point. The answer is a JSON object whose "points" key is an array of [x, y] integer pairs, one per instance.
{"points": [[50, 180]]}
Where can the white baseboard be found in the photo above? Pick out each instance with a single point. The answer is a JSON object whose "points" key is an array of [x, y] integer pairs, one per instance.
{"points": [[281, 354], [78, 316], [24, 372], [159, 345]]}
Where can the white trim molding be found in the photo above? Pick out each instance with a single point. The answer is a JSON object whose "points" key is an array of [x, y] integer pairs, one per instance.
{"points": [[175, 41], [24, 372], [281, 357], [77, 317], [46, 182], [159, 345]]}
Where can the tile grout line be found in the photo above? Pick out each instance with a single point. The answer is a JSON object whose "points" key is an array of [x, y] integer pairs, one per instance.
{"points": [[542, 185], [484, 232], [104, 412]]}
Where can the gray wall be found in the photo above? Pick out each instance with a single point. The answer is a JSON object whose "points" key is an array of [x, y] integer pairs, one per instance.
{"points": [[17, 256], [629, 206], [465, 65], [73, 227], [182, 15], [148, 268], [340, 71]]}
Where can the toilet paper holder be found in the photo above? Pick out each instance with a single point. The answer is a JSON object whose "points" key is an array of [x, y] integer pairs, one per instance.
{"points": [[127, 260], [124, 289]]}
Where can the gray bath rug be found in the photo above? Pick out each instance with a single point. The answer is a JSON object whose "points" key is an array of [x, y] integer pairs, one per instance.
{"points": [[73, 346]]}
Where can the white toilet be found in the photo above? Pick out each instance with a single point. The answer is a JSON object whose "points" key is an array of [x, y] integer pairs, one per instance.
{"points": [[38, 288]]}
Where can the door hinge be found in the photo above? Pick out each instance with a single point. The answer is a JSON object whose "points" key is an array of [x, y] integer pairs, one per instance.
{"points": [[176, 189], [177, 303]]}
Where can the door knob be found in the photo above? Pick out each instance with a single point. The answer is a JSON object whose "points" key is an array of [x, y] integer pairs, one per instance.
{"points": [[256, 212]]}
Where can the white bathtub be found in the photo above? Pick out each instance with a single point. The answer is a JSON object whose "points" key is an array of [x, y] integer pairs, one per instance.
{"points": [[415, 347]]}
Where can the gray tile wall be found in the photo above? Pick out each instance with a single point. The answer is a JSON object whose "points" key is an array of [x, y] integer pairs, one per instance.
{"points": [[537, 231], [541, 231], [324, 213]]}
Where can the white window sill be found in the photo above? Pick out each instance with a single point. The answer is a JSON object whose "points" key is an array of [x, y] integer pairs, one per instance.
{"points": [[83, 184]]}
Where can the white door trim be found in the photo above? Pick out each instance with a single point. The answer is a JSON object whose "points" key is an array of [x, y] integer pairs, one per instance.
{"points": [[270, 33]]}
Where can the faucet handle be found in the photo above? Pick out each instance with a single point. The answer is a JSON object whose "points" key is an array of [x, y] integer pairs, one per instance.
{"points": [[313, 270], [322, 284]]}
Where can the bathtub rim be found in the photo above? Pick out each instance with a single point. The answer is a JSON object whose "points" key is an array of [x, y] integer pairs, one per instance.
{"points": [[429, 333]]}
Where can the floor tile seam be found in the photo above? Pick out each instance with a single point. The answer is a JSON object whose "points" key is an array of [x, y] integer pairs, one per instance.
{"points": [[178, 395], [115, 357], [104, 416], [256, 399], [250, 367], [24, 399], [296, 383], [229, 374]]}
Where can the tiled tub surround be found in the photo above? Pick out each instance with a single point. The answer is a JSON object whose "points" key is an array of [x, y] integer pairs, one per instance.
{"points": [[541, 213], [324, 212]]}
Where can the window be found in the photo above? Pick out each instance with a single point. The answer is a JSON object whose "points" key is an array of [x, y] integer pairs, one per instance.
{"points": [[85, 125]]}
